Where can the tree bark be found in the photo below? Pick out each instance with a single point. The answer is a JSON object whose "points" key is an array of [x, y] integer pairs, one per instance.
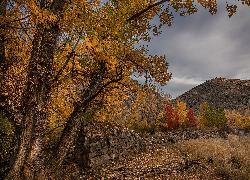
{"points": [[29, 161]]}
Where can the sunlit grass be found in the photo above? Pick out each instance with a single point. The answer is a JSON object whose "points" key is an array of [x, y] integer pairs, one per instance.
{"points": [[230, 157]]}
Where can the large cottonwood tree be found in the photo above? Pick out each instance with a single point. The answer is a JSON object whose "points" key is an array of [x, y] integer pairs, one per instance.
{"points": [[75, 49]]}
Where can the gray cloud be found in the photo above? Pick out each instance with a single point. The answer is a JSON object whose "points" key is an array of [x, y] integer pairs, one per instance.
{"points": [[200, 47]]}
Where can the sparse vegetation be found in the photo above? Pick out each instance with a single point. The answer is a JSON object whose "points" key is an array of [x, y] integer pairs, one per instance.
{"points": [[237, 119], [229, 157]]}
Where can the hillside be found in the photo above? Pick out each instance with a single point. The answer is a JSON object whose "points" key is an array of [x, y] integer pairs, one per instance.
{"points": [[228, 93]]}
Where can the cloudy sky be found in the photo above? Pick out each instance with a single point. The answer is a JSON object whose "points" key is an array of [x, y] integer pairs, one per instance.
{"points": [[202, 46]]}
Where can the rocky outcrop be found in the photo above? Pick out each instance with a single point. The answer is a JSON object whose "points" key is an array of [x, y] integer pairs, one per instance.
{"points": [[100, 142], [228, 93]]}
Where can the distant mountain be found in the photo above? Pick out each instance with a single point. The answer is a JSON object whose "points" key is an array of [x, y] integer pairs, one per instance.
{"points": [[228, 93]]}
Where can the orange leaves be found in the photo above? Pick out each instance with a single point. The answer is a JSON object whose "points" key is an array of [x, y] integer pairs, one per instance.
{"points": [[183, 4], [180, 109], [247, 2], [88, 43], [90, 35], [166, 17], [231, 10], [211, 4], [96, 3], [40, 16]]}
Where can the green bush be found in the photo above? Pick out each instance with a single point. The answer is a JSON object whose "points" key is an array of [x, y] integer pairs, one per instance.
{"points": [[6, 134], [211, 117]]}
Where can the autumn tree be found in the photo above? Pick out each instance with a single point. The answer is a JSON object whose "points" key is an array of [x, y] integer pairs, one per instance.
{"points": [[237, 119], [191, 119], [172, 118], [180, 109], [212, 117], [147, 109], [76, 51]]}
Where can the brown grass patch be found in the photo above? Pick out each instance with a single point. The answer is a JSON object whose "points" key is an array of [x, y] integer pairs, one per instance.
{"points": [[230, 157]]}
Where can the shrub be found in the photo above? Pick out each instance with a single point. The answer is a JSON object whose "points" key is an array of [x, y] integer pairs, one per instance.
{"points": [[172, 119], [236, 119], [191, 119], [211, 117], [180, 109]]}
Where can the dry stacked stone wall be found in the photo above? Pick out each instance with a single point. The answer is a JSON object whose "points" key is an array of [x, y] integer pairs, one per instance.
{"points": [[228, 93], [99, 142], [164, 138]]}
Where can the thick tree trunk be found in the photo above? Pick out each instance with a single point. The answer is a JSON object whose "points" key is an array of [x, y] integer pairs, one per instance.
{"points": [[29, 159]]}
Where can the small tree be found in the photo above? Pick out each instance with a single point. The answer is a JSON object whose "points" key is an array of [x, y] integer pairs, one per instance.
{"points": [[191, 119], [172, 118], [180, 109], [211, 117], [237, 119]]}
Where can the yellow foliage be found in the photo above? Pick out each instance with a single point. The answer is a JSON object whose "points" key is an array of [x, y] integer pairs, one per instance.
{"points": [[181, 111], [203, 107], [237, 119]]}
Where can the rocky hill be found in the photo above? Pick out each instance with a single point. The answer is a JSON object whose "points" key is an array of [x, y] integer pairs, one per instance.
{"points": [[228, 93]]}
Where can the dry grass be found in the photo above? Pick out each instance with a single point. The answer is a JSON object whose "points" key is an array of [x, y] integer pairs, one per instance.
{"points": [[230, 157]]}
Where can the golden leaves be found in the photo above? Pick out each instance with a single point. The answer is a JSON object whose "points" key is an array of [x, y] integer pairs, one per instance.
{"points": [[247, 2], [166, 17], [180, 109], [211, 4], [40, 16], [231, 10], [91, 35], [237, 119]]}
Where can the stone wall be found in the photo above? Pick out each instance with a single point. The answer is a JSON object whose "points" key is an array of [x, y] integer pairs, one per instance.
{"points": [[228, 93], [164, 138], [100, 142]]}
